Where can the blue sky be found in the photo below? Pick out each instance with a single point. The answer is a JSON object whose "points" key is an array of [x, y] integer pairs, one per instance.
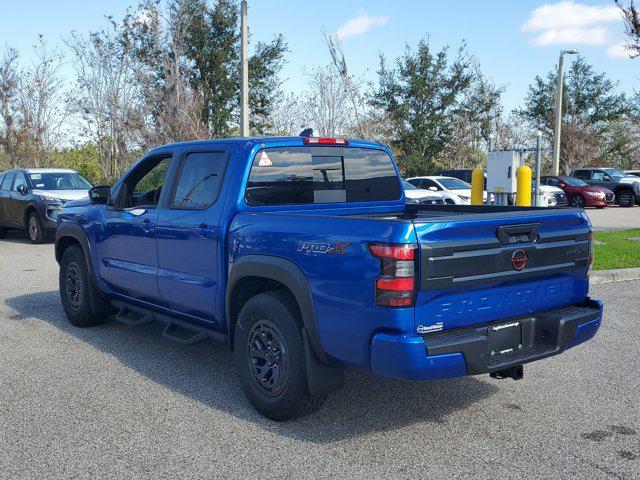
{"points": [[513, 40]]}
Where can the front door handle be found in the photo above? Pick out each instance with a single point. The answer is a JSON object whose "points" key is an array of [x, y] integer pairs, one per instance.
{"points": [[205, 231], [148, 226]]}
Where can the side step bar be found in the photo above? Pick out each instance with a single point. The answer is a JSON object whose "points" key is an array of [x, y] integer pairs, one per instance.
{"points": [[181, 331]]}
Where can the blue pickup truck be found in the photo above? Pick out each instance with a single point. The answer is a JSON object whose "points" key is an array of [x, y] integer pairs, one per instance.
{"points": [[301, 254]]}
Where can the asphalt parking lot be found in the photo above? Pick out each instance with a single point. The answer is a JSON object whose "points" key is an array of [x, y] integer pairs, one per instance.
{"points": [[116, 402], [614, 218]]}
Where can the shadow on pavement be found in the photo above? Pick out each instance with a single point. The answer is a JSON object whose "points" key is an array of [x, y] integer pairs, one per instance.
{"points": [[367, 404]]}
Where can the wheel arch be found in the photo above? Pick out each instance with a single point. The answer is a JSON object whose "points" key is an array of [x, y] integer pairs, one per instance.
{"points": [[68, 234], [253, 274]]}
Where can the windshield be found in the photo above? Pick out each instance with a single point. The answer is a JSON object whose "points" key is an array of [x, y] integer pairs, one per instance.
{"points": [[574, 182], [614, 172], [59, 181], [408, 186], [454, 184]]}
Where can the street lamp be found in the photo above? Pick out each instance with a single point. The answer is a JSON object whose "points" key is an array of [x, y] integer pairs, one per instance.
{"points": [[558, 112]]}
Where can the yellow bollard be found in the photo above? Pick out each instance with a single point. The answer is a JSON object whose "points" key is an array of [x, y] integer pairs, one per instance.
{"points": [[477, 187], [523, 195]]}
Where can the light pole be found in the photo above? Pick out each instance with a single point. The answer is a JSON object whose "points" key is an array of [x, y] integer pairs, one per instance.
{"points": [[244, 86], [558, 112]]}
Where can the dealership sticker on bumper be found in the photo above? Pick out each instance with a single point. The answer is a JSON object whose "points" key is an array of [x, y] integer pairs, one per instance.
{"points": [[436, 327]]}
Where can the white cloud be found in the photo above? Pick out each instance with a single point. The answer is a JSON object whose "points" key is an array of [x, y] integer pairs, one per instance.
{"points": [[571, 23], [570, 15], [359, 24], [574, 36], [619, 50]]}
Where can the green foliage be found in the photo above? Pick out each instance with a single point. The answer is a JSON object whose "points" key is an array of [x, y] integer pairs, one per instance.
{"points": [[591, 104], [83, 158], [617, 250], [423, 97]]}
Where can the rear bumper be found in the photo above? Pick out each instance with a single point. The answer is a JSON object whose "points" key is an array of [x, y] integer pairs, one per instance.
{"points": [[464, 351]]}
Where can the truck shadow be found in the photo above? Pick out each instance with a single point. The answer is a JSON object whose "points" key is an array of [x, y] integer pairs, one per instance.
{"points": [[205, 373]]}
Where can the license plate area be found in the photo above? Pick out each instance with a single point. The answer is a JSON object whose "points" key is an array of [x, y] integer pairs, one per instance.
{"points": [[504, 339]]}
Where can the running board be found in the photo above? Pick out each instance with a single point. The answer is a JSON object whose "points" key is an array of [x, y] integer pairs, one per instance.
{"points": [[183, 335], [180, 331], [130, 318]]}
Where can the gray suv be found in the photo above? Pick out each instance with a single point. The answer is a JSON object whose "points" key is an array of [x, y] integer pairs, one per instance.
{"points": [[30, 199], [625, 186]]}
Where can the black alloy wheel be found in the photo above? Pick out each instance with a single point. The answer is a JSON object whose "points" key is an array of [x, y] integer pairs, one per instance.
{"points": [[267, 356]]}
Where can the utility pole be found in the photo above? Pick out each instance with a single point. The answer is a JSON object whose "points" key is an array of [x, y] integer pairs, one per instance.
{"points": [[244, 87], [558, 112], [538, 166]]}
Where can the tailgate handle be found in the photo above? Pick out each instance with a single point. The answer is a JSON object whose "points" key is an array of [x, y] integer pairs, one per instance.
{"points": [[526, 233]]}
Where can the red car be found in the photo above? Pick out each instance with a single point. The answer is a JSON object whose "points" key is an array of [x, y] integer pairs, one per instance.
{"points": [[580, 194]]}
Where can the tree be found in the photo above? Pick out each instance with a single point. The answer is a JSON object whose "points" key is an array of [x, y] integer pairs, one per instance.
{"points": [[31, 113], [41, 104], [9, 89], [421, 97], [104, 95], [478, 116], [186, 55], [590, 103], [326, 104], [632, 26]]}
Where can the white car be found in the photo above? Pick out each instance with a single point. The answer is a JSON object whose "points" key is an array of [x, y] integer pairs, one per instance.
{"points": [[454, 190], [414, 194], [550, 196]]}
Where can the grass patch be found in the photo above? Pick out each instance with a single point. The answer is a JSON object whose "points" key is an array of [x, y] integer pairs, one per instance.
{"points": [[616, 251]]}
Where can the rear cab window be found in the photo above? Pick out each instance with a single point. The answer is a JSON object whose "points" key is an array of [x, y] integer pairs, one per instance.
{"points": [[321, 175]]}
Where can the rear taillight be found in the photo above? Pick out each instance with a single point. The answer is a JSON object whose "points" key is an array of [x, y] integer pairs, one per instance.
{"points": [[325, 141], [396, 285]]}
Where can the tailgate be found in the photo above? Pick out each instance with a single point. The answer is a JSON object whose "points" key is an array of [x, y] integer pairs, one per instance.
{"points": [[490, 266]]}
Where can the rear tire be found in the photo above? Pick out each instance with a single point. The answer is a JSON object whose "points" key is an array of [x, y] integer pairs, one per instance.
{"points": [[600, 207], [3, 232], [626, 198], [80, 299], [270, 357], [35, 231]]}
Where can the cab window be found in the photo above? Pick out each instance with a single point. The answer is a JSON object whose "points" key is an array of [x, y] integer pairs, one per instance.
{"points": [[308, 175], [200, 180], [143, 186]]}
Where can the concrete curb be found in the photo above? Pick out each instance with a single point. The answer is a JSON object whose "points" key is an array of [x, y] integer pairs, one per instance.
{"points": [[599, 277]]}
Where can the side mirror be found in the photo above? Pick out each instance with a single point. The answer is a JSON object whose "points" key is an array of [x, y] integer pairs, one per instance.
{"points": [[99, 195], [22, 189], [562, 185], [607, 178], [433, 189]]}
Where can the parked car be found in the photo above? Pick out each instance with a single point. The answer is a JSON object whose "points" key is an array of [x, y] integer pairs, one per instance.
{"points": [[454, 190], [625, 187], [551, 196], [464, 174], [30, 199], [301, 254], [635, 173], [414, 194], [579, 193]]}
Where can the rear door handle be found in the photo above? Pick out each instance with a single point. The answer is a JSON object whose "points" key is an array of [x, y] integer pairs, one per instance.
{"points": [[148, 226], [205, 231]]}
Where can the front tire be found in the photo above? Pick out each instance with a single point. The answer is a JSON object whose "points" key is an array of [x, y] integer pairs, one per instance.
{"points": [[577, 201], [270, 357], [3, 232], [626, 198], [80, 300], [35, 229]]}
